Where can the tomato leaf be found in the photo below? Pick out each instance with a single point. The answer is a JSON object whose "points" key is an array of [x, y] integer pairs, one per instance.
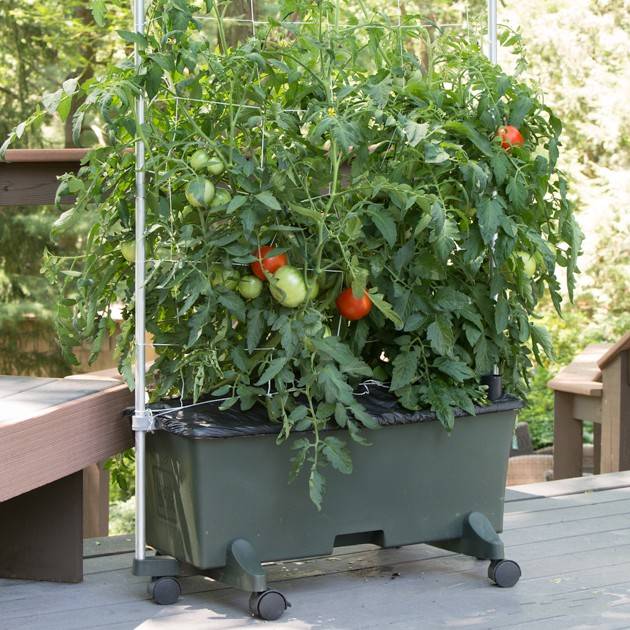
{"points": [[415, 132], [405, 369], [336, 452], [489, 213], [316, 487], [267, 198], [98, 11], [272, 370], [440, 335], [385, 224], [386, 308], [458, 370], [335, 349]]}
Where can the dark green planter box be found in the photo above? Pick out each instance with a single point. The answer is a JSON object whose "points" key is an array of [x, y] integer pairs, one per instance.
{"points": [[416, 483]]}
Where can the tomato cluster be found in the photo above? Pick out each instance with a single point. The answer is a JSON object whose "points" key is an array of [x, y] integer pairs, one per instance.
{"points": [[286, 284], [201, 192]]}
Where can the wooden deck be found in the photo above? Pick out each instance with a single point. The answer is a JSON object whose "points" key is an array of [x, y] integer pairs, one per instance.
{"points": [[571, 538]]}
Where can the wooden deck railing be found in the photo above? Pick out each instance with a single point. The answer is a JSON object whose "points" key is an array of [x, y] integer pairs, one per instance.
{"points": [[28, 177]]}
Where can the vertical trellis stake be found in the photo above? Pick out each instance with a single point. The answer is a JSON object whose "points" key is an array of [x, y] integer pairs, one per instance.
{"points": [[492, 55], [492, 30], [141, 420]]}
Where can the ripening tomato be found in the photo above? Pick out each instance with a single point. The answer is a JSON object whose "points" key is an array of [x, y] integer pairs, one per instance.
{"points": [[351, 307], [199, 192], [288, 287], [271, 264], [510, 137]]}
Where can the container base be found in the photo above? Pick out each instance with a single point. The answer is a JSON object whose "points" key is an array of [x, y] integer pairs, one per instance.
{"points": [[243, 569]]}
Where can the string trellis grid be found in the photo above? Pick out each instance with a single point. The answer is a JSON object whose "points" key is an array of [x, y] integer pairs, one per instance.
{"points": [[390, 22]]}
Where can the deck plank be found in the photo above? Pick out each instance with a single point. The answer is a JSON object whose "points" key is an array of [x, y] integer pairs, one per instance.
{"points": [[574, 551], [23, 399], [562, 487]]}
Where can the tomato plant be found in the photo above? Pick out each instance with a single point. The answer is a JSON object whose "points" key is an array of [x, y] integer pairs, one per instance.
{"points": [[374, 169]]}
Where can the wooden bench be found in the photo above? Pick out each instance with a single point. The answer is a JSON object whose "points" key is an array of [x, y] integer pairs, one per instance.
{"points": [[53, 434], [595, 387]]}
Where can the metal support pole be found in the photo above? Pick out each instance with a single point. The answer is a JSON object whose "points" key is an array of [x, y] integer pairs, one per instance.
{"points": [[494, 385], [492, 30], [140, 411]]}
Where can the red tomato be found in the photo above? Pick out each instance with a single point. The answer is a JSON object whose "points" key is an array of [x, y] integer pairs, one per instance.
{"points": [[510, 137], [271, 264], [351, 307]]}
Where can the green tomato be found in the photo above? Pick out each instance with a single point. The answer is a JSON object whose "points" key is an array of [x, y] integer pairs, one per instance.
{"points": [[128, 250], [222, 277], [231, 279], [189, 215], [215, 166], [199, 192], [222, 197], [250, 287], [529, 263], [312, 288], [199, 160], [288, 287]]}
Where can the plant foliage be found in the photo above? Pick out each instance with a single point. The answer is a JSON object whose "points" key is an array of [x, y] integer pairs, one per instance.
{"points": [[370, 166]]}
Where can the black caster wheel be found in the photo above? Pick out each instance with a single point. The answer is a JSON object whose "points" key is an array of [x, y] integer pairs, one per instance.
{"points": [[504, 573], [268, 605], [165, 590]]}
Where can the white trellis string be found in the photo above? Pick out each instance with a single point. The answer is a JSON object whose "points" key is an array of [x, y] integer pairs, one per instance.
{"points": [[224, 103], [366, 385], [398, 25], [345, 26]]}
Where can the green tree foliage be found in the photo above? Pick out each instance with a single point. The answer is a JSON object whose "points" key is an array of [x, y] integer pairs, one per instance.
{"points": [[590, 97], [601, 313], [43, 45]]}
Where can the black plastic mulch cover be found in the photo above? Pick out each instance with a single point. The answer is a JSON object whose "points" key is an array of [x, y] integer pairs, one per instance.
{"points": [[206, 420]]}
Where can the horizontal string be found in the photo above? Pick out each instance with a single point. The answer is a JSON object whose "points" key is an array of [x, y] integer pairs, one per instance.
{"points": [[225, 103], [341, 26], [366, 390]]}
